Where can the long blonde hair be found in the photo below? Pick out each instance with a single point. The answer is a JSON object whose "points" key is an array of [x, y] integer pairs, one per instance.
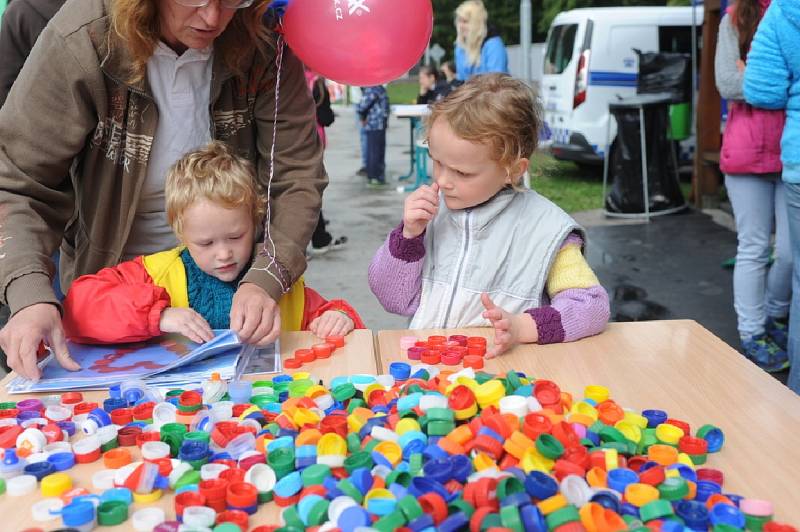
{"points": [[136, 23], [474, 12]]}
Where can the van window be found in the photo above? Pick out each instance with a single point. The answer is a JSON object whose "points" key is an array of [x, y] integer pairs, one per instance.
{"points": [[559, 48], [676, 39]]}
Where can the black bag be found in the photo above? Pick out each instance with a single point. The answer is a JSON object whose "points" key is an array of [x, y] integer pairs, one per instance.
{"points": [[322, 98], [665, 72]]}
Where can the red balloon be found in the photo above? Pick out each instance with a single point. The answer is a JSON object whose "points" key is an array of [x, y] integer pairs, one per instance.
{"points": [[359, 42]]}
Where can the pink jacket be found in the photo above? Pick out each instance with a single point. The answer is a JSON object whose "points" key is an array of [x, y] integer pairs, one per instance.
{"points": [[751, 143]]}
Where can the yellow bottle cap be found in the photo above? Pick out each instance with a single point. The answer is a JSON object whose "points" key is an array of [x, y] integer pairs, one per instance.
{"points": [[612, 459], [390, 450], [147, 498], [584, 408], [637, 419], [405, 425], [55, 484], [551, 504], [629, 430], [489, 393], [332, 443], [301, 375], [596, 393], [669, 434]]}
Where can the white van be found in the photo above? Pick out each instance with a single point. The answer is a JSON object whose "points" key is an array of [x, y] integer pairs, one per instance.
{"points": [[589, 61]]}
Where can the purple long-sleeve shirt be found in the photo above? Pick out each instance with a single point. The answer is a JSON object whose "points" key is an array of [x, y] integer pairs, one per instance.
{"points": [[395, 277]]}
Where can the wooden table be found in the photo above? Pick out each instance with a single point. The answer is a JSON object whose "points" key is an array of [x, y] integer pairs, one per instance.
{"points": [[357, 356], [679, 367]]}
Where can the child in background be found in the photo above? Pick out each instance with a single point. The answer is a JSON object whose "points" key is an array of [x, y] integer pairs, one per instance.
{"points": [[431, 87], [215, 209], [374, 112], [475, 248]]}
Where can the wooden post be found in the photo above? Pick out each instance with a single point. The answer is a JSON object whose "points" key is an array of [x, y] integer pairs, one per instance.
{"points": [[706, 179]]}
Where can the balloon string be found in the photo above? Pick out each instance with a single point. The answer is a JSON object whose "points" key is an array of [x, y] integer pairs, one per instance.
{"points": [[269, 250]]}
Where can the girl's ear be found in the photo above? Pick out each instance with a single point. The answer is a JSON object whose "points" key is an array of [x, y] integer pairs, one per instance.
{"points": [[517, 170]]}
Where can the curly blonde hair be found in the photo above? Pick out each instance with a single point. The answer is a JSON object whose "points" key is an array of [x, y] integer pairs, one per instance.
{"points": [[474, 12], [136, 23], [496, 110], [214, 173]]}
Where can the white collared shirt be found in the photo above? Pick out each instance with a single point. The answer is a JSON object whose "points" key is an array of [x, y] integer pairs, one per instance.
{"points": [[181, 87]]}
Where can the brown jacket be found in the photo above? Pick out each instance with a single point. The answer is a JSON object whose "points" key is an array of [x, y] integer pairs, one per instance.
{"points": [[71, 113]]}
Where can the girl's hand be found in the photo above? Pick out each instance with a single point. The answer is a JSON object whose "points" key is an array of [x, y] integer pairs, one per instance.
{"points": [[509, 329], [331, 323], [187, 322], [420, 208]]}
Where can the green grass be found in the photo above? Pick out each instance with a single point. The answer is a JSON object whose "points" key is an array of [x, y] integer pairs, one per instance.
{"points": [[402, 92], [567, 186]]}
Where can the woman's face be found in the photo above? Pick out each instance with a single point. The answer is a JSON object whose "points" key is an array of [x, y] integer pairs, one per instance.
{"points": [[462, 25], [192, 27]]}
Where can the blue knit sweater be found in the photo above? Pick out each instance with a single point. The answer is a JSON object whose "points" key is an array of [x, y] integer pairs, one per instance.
{"points": [[209, 296], [772, 76]]}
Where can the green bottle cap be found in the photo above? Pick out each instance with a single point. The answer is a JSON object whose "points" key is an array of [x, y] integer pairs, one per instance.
{"points": [[112, 513]]}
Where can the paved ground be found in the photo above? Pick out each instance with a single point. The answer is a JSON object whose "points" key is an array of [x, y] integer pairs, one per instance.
{"points": [[669, 268]]}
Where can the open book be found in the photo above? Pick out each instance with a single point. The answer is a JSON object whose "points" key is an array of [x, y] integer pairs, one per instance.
{"points": [[169, 360]]}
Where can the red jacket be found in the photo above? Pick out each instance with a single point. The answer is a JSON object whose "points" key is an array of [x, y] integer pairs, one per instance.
{"points": [[124, 303]]}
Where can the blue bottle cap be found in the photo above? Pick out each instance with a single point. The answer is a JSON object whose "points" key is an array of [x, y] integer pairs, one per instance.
{"points": [[400, 370], [606, 499], [617, 479], [62, 461], [516, 499], [532, 519], [289, 485], [77, 513], [627, 508], [705, 489], [654, 417], [115, 391], [362, 479], [540, 485], [67, 426], [694, 514], [117, 494], [439, 469], [454, 522], [40, 469], [462, 468], [421, 523], [112, 403], [240, 391], [725, 514], [352, 518]]}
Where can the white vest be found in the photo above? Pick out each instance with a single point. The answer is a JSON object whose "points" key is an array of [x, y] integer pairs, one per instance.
{"points": [[504, 247]]}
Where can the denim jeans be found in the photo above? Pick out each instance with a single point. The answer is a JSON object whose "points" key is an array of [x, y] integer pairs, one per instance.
{"points": [[793, 211], [376, 154], [362, 134], [759, 290]]}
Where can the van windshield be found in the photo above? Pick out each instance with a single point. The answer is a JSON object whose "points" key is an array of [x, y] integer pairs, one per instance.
{"points": [[559, 48]]}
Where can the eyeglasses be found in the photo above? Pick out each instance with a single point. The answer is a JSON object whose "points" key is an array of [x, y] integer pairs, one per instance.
{"points": [[229, 4]]}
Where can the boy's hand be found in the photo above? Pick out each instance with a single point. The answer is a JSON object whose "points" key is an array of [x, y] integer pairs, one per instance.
{"points": [[509, 329], [187, 322], [420, 208], [331, 323]]}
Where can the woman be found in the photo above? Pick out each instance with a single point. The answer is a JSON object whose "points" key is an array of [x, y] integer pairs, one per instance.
{"points": [[112, 94], [431, 87], [751, 160], [479, 50], [772, 81]]}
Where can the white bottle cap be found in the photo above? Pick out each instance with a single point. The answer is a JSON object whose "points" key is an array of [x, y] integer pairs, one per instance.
{"points": [[104, 479], [178, 470], [387, 381], [57, 413], [514, 404], [164, 413], [32, 439], [339, 505], [37, 457], [34, 422], [58, 447], [199, 516], [107, 434], [87, 445], [262, 477], [155, 450], [21, 485], [146, 519], [212, 471], [124, 472], [46, 509]]}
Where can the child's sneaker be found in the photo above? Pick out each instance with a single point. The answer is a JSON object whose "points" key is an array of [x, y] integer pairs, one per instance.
{"points": [[765, 353], [376, 184], [778, 330]]}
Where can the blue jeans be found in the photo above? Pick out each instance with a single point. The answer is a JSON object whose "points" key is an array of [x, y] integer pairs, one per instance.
{"points": [[793, 211], [376, 154], [760, 291], [362, 133]]}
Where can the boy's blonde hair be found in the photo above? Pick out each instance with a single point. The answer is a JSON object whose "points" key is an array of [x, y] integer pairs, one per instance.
{"points": [[496, 110], [214, 173], [474, 12]]}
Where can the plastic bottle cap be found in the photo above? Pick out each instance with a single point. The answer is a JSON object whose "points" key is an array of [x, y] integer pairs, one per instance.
{"points": [[146, 519], [164, 413], [21, 485], [212, 471], [199, 516], [103, 479], [262, 477], [55, 484], [155, 450], [46, 509]]}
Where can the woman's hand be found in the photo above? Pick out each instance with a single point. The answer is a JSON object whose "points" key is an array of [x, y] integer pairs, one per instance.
{"points": [[420, 208], [509, 329], [187, 322], [26, 330], [331, 323], [255, 317]]}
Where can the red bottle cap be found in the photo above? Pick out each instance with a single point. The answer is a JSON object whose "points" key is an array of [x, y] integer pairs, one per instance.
{"points": [[338, 341], [292, 363], [121, 416], [305, 355]]}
